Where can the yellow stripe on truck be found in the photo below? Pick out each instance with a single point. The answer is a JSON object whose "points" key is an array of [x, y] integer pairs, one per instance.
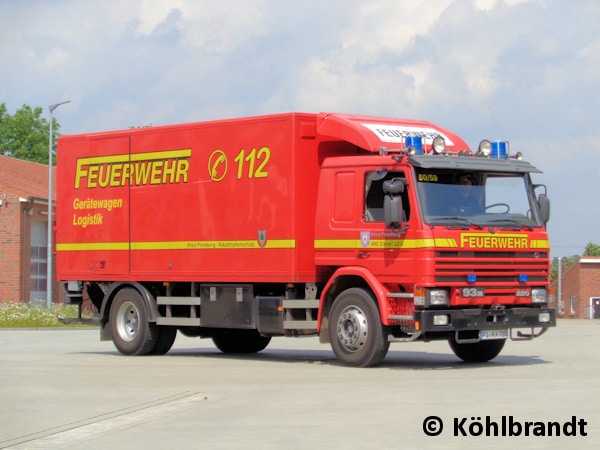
{"points": [[175, 245], [385, 243]]}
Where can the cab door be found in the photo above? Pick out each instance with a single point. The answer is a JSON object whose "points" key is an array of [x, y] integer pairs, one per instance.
{"points": [[383, 247], [352, 214]]}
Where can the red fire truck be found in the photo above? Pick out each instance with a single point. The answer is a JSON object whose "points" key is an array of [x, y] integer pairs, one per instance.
{"points": [[361, 230]]}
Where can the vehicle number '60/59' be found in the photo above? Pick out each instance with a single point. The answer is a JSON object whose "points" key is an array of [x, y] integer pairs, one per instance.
{"points": [[472, 292]]}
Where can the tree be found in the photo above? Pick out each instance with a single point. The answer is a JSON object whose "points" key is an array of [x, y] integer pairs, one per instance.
{"points": [[591, 249], [567, 262], [24, 135]]}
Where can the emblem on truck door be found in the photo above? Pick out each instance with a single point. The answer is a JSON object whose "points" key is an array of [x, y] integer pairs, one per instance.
{"points": [[365, 238], [262, 238]]}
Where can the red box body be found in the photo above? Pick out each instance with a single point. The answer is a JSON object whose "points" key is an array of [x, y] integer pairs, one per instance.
{"points": [[218, 201]]}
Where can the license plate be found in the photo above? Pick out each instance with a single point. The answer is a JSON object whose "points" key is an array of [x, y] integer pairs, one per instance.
{"points": [[486, 335]]}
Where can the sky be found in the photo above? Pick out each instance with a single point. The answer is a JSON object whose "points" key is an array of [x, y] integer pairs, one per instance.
{"points": [[525, 71]]}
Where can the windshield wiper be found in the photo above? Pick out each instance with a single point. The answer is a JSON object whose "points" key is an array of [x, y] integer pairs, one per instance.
{"points": [[515, 224], [462, 222]]}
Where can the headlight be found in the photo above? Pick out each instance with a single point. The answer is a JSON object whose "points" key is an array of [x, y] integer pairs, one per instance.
{"points": [[539, 295], [438, 297], [431, 297]]}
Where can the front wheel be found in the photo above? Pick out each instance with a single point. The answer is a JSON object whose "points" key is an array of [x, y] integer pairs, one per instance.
{"points": [[479, 351], [131, 331], [355, 331]]}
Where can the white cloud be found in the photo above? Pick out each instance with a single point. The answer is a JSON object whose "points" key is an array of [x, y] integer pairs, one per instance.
{"points": [[489, 5], [389, 26], [151, 13], [217, 26]]}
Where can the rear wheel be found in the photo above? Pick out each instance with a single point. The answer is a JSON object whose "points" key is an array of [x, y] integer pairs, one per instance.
{"points": [[479, 351], [355, 331], [240, 341], [165, 340], [131, 331]]}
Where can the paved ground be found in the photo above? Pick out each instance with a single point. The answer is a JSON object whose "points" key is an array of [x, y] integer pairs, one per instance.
{"points": [[65, 389]]}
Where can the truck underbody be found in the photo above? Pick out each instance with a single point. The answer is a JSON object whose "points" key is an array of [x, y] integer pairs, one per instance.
{"points": [[143, 318]]}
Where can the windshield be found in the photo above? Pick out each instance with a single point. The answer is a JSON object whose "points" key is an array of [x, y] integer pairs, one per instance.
{"points": [[460, 198]]}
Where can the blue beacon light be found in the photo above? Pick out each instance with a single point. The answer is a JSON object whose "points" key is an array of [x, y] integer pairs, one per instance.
{"points": [[415, 142], [499, 150]]}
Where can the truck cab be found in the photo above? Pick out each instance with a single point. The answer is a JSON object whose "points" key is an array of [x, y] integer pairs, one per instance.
{"points": [[450, 244]]}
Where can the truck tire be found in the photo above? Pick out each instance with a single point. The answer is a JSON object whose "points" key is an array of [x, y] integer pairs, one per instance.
{"points": [[165, 340], [355, 331], [240, 341], [132, 333], [477, 352]]}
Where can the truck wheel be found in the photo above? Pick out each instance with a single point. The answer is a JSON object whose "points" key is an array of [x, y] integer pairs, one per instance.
{"points": [[132, 334], [355, 331], [478, 352], [166, 338], [240, 341]]}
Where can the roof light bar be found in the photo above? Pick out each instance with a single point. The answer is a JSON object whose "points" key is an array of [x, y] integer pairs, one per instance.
{"points": [[495, 149]]}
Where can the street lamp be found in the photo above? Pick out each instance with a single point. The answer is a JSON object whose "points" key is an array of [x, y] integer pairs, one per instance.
{"points": [[49, 273]]}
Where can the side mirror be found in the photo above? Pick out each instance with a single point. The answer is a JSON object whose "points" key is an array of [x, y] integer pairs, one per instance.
{"points": [[544, 204], [394, 186], [393, 212]]}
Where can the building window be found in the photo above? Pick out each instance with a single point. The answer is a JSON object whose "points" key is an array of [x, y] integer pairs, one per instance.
{"points": [[594, 308], [572, 305], [38, 262]]}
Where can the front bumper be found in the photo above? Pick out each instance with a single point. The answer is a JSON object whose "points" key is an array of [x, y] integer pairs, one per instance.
{"points": [[485, 319]]}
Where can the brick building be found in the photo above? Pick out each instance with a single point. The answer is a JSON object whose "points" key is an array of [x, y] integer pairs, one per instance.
{"points": [[579, 295], [24, 232]]}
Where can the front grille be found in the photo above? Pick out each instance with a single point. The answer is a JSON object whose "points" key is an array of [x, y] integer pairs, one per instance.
{"points": [[492, 269]]}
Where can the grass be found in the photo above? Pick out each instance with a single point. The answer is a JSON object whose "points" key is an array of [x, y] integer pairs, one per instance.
{"points": [[23, 315]]}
